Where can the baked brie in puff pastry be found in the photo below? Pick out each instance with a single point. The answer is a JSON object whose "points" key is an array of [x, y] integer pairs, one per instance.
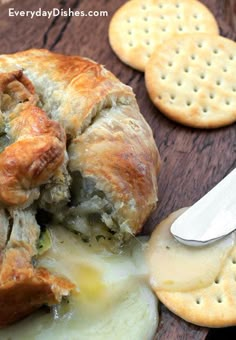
{"points": [[73, 145]]}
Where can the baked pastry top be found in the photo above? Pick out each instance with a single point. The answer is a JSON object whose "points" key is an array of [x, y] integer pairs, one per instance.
{"points": [[110, 143], [72, 143]]}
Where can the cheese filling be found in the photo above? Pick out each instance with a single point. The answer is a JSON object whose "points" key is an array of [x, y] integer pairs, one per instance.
{"points": [[112, 299]]}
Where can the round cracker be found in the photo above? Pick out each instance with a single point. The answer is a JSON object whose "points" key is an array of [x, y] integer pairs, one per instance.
{"points": [[141, 25], [192, 80], [213, 306]]}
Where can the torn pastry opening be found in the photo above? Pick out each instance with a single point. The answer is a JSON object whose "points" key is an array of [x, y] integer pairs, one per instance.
{"points": [[83, 209]]}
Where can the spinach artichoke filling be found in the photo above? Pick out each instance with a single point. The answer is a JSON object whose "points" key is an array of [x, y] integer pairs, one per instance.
{"points": [[85, 210]]}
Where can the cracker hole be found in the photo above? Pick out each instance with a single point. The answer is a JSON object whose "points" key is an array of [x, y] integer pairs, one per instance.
{"points": [[198, 301], [195, 15], [180, 28], [219, 300], [178, 16], [145, 18], [211, 96], [186, 70], [172, 97], [234, 88], [163, 29], [204, 109], [209, 63], [129, 20], [179, 83], [129, 32], [195, 89], [217, 281], [202, 76], [233, 260], [146, 30], [177, 5], [131, 44], [197, 28], [225, 69], [148, 55], [170, 64], [218, 82], [162, 17], [163, 76], [159, 97], [231, 57], [193, 57], [144, 7], [148, 42], [227, 102], [215, 51], [160, 5], [188, 103], [199, 44], [177, 51]]}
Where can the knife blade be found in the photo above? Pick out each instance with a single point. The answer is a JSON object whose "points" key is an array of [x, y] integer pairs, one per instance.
{"points": [[210, 218]]}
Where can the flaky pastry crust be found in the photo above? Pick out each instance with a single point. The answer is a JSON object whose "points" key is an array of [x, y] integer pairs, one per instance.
{"points": [[38, 143], [33, 158], [107, 170], [111, 143], [24, 288]]}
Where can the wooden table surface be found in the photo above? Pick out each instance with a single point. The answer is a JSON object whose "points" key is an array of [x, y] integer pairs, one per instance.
{"points": [[193, 161]]}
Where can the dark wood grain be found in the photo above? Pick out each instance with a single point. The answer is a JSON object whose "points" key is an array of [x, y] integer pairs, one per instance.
{"points": [[193, 161]]}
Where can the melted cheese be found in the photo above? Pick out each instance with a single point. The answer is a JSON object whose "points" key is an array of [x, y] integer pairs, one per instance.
{"points": [[177, 267], [112, 300]]}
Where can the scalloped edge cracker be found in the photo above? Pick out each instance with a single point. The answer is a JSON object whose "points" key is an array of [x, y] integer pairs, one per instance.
{"points": [[211, 306], [139, 26], [192, 80]]}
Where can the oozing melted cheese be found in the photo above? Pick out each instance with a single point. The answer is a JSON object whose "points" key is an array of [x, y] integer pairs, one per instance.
{"points": [[177, 267], [112, 299]]}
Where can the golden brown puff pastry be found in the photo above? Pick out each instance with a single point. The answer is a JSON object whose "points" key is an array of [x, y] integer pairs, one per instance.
{"points": [[33, 158], [111, 145], [38, 143], [32, 150], [23, 287], [116, 154], [73, 142]]}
